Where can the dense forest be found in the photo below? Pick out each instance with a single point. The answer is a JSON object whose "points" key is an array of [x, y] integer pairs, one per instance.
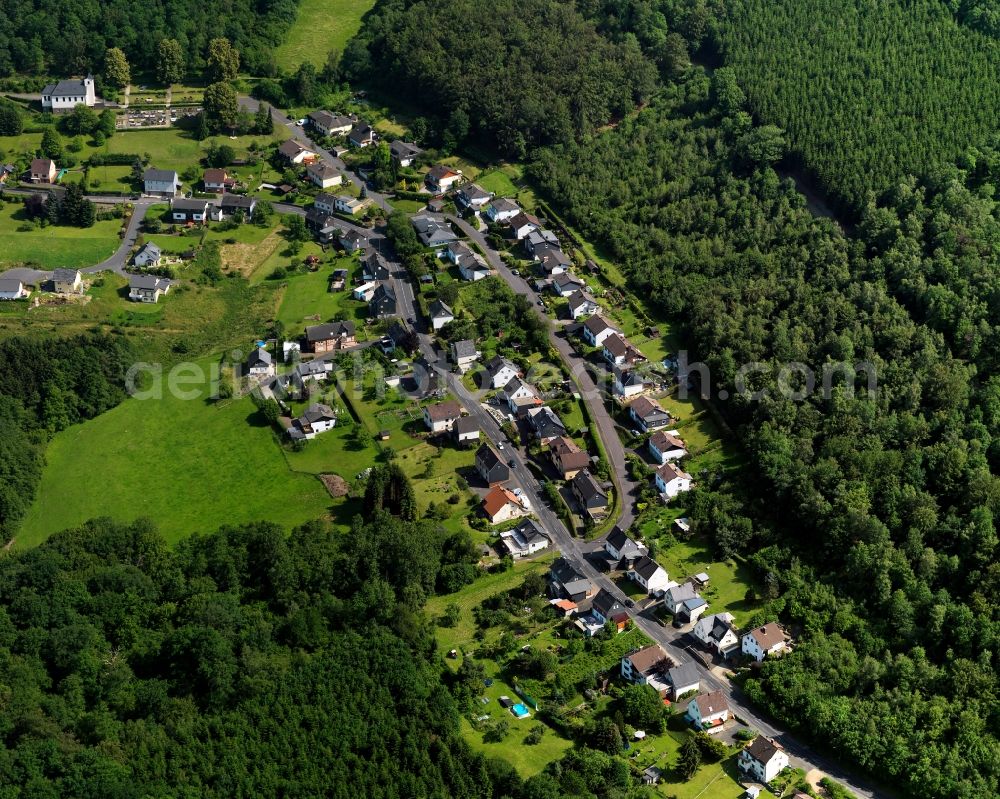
{"points": [[896, 583], [868, 92], [63, 37], [242, 664], [512, 74], [47, 385]]}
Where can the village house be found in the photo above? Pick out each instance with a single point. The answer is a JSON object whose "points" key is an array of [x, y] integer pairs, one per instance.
{"points": [[472, 268], [323, 175], [294, 153], [524, 540], [538, 238], [441, 416], [382, 305], [330, 336], [260, 363], [66, 95], [352, 206], [432, 232], [627, 383], [708, 711], [666, 446], [716, 633], [567, 458], [490, 466], [441, 178], [649, 574], [683, 602], [683, 679], [464, 354], [404, 153], [362, 135], [149, 256], [217, 181], [521, 224], [648, 415], [325, 203], [566, 580], [233, 206], [651, 775], [671, 480], [763, 759], [645, 666], [473, 196], [605, 608], [520, 395], [12, 289], [565, 284], [327, 124], [147, 288], [43, 170], [353, 240], [580, 303], [621, 548], [500, 210], [619, 351], [374, 267], [316, 419], [184, 210], [465, 429], [500, 371], [441, 314], [501, 505], [596, 329], [545, 424], [161, 182], [67, 281], [591, 495], [763, 641], [551, 262]]}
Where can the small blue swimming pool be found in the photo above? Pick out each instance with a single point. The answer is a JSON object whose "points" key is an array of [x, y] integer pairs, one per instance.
{"points": [[520, 711]]}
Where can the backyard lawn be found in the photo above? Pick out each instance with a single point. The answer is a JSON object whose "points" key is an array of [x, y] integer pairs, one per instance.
{"points": [[54, 246], [320, 27], [307, 300], [188, 464]]}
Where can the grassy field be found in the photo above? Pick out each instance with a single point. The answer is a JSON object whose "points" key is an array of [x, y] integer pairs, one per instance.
{"points": [[187, 464], [55, 245], [319, 28]]}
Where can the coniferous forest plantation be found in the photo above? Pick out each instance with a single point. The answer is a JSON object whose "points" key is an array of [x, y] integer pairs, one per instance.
{"points": [[261, 661]]}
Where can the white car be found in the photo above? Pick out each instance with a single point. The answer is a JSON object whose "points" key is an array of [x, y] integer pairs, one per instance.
{"points": [[300, 122]]}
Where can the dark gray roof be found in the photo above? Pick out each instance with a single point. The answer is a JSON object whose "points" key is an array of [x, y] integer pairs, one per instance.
{"points": [[646, 567], [495, 364], [762, 749], [73, 87], [148, 282], [466, 424], [238, 201], [621, 541], [151, 248], [546, 422], [183, 204], [402, 149], [10, 284], [684, 675], [162, 175], [474, 192], [317, 413], [587, 486], [329, 331], [260, 356], [605, 603], [488, 457], [465, 348], [440, 308], [64, 275], [569, 577]]}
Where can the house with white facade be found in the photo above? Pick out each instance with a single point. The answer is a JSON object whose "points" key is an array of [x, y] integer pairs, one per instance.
{"points": [[161, 182], [649, 574], [518, 395], [316, 419], [646, 666], [717, 633], [684, 679], [628, 383], [441, 178], [441, 416], [621, 547], [579, 303], [666, 445], [12, 289], [323, 175], [147, 288], [596, 329], [671, 480], [502, 505], [524, 540], [708, 711], [763, 759], [441, 314], [500, 210], [150, 255], [760, 642], [473, 196], [500, 371], [648, 414]]}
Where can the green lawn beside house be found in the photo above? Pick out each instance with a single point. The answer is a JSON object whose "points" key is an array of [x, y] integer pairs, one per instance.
{"points": [[53, 246], [190, 465]]}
